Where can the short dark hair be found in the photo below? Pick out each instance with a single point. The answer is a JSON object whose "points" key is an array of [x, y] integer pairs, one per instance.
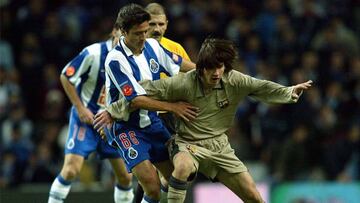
{"points": [[214, 52], [130, 15]]}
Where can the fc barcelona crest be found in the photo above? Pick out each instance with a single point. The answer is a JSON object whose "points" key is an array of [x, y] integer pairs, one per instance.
{"points": [[154, 66]]}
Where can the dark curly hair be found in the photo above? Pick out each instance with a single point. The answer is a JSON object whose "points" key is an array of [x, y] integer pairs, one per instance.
{"points": [[215, 52]]}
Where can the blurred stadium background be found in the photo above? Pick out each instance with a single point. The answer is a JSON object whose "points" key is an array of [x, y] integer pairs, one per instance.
{"points": [[308, 152]]}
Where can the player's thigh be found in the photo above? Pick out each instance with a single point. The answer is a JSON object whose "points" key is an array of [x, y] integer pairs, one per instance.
{"points": [[241, 184], [147, 176], [165, 168], [72, 165]]}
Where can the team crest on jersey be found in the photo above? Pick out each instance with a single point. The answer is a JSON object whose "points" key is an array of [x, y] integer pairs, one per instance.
{"points": [[154, 66], [71, 144], [127, 90], [132, 153], [70, 71]]}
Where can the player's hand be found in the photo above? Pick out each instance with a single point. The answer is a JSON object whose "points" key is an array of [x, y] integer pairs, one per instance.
{"points": [[299, 88], [102, 120], [184, 110], [85, 115]]}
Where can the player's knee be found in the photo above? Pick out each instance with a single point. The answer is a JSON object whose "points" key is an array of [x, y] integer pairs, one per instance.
{"points": [[254, 199], [125, 179], [183, 170], [70, 172], [253, 196]]}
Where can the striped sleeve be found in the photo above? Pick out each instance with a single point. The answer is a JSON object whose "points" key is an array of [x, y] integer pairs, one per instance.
{"points": [[78, 66], [120, 74], [170, 61]]}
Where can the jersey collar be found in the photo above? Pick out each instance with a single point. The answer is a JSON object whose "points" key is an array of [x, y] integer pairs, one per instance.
{"points": [[126, 49]]}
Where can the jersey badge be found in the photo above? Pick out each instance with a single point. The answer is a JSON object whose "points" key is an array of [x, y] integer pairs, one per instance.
{"points": [[127, 90], [71, 144], [132, 153], [154, 66], [70, 71]]}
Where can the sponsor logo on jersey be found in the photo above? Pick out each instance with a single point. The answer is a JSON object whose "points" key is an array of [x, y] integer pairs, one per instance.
{"points": [[132, 153], [70, 71], [154, 66], [127, 90]]}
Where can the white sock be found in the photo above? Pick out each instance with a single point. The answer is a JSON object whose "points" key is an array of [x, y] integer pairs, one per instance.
{"points": [[147, 199], [59, 190], [123, 195]]}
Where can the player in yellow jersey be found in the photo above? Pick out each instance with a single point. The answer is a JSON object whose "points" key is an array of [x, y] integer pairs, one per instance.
{"points": [[158, 25]]}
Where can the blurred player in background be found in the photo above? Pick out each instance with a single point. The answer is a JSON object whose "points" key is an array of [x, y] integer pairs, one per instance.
{"points": [[141, 138], [202, 144], [157, 28], [83, 79]]}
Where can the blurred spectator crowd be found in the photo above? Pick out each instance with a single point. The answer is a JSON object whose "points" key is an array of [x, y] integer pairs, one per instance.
{"points": [[286, 41]]}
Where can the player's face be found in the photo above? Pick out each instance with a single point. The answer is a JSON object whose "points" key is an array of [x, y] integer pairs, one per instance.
{"points": [[212, 76], [136, 36], [158, 26]]}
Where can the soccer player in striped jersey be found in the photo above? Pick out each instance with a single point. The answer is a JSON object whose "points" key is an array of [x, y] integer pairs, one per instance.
{"points": [[83, 79], [141, 137]]}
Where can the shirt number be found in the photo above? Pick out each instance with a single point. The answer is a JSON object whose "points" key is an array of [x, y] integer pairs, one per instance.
{"points": [[126, 142]]}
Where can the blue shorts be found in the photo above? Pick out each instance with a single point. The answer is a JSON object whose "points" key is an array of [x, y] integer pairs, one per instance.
{"points": [[83, 140], [139, 144]]}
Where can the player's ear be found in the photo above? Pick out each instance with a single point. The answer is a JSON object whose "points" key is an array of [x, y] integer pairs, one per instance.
{"points": [[123, 32]]}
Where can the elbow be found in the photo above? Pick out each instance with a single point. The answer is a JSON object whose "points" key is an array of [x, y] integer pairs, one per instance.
{"points": [[62, 78], [136, 103]]}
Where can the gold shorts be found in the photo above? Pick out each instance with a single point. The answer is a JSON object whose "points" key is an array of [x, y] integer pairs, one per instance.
{"points": [[210, 156]]}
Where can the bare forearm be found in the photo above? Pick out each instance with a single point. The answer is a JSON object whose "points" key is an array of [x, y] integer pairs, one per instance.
{"points": [[144, 102], [187, 66], [71, 92]]}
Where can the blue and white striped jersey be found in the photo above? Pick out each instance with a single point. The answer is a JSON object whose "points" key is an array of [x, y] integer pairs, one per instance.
{"points": [[124, 70], [87, 72]]}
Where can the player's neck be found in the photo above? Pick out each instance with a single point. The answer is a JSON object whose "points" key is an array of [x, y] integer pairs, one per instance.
{"points": [[206, 87], [135, 51]]}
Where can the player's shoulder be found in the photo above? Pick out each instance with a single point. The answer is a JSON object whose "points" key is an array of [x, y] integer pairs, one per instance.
{"points": [[170, 42], [233, 77], [115, 54], [152, 42], [187, 78], [93, 49]]}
